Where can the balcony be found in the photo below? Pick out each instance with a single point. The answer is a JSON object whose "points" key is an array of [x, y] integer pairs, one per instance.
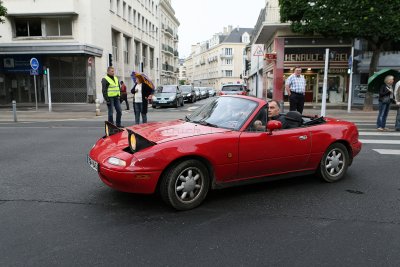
{"points": [[268, 23], [223, 55]]}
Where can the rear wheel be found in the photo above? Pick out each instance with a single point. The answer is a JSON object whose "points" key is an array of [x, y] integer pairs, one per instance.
{"points": [[334, 163], [185, 185]]}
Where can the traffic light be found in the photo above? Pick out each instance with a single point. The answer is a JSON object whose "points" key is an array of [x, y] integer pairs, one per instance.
{"points": [[110, 63], [248, 64], [44, 70]]}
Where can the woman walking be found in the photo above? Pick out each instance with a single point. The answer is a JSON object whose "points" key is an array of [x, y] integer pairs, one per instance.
{"points": [[141, 93], [385, 98]]}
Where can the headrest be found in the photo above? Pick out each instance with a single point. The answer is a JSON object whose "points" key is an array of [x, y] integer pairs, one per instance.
{"points": [[294, 116]]}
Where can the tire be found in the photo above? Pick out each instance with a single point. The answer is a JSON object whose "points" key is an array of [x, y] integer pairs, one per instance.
{"points": [[154, 106], [185, 185], [176, 103], [182, 103], [334, 163]]}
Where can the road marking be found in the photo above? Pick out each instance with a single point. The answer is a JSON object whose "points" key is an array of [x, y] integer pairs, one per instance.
{"points": [[371, 124], [388, 151], [371, 141], [380, 133]]}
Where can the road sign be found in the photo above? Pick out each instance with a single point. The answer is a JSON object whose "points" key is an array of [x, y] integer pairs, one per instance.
{"points": [[270, 56], [34, 72], [258, 52], [34, 63]]}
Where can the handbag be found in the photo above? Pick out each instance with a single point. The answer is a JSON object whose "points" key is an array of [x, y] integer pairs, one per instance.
{"points": [[386, 99]]}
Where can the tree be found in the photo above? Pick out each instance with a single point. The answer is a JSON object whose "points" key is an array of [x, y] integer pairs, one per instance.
{"points": [[371, 20], [3, 12]]}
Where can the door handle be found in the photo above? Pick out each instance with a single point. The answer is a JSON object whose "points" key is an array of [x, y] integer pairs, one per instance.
{"points": [[303, 137]]}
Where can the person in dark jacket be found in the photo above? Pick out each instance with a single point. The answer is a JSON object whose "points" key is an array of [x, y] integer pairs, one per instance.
{"points": [[385, 98], [141, 93]]}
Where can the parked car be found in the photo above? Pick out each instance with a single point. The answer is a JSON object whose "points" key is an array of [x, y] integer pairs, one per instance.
{"points": [[211, 92], [188, 93], [218, 146], [203, 92], [197, 92], [234, 89], [167, 95]]}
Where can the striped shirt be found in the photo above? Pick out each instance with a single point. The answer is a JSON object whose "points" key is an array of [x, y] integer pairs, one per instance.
{"points": [[297, 84]]}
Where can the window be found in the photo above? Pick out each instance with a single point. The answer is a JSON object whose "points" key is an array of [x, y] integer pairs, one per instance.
{"points": [[58, 27], [126, 49], [124, 10], [28, 27], [228, 73], [228, 51], [228, 62]]}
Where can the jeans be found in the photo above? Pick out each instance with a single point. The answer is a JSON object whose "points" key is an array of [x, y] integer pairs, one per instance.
{"points": [[138, 108], [296, 102], [382, 115], [397, 125], [114, 103], [125, 98]]}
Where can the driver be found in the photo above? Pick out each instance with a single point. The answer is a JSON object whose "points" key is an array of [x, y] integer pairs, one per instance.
{"points": [[273, 114]]}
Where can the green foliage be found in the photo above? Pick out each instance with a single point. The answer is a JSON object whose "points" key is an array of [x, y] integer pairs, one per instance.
{"points": [[3, 12], [375, 21]]}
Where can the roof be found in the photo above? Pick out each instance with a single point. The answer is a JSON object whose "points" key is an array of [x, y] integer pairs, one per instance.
{"points": [[235, 36]]}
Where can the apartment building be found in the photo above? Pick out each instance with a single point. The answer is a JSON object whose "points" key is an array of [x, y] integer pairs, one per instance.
{"points": [[76, 41], [219, 60], [169, 44]]}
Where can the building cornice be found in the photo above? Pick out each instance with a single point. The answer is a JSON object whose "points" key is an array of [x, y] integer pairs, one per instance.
{"points": [[50, 48]]}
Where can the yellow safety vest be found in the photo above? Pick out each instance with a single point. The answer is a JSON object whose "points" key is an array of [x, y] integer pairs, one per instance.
{"points": [[113, 87]]}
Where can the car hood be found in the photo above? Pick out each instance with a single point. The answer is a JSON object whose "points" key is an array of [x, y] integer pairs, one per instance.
{"points": [[164, 95], [160, 132]]}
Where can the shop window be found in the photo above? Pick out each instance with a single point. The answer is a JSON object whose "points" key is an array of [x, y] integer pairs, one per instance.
{"points": [[28, 27]]}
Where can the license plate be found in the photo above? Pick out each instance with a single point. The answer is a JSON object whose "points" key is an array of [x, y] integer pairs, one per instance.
{"points": [[162, 101], [92, 163]]}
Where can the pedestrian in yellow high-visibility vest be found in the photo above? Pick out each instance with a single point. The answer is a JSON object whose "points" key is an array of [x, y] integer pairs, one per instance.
{"points": [[111, 94]]}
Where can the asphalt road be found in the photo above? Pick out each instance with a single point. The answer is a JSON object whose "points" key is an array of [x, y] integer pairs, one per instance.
{"points": [[54, 211]]}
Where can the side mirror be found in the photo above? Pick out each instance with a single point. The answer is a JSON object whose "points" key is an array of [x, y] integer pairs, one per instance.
{"points": [[273, 125]]}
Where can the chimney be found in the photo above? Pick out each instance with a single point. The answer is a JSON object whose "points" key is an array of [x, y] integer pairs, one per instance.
{"points": [[225, 32], [229, 28]]}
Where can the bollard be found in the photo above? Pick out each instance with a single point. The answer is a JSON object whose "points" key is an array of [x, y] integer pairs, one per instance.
{"points": [[97, 107], [14, 107]]}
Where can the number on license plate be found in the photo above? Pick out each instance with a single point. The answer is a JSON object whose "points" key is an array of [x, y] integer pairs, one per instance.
{"points": [[92, 163], [162, 101]]}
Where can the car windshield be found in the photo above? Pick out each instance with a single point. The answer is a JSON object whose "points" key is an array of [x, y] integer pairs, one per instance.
{"points": [[232, 88], [167, 89], [224, 112], [186, 89]]}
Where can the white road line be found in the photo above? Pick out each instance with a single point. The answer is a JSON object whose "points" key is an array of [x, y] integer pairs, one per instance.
{"points": [[371, 141], [379, 133], [372, 124], [388, 151]]}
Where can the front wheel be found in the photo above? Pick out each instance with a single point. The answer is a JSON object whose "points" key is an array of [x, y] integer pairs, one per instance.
{"points": [[185, 185], [334, 163]]}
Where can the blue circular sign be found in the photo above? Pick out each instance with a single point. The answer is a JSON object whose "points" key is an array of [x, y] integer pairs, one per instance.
{"points": [[34, 63]]}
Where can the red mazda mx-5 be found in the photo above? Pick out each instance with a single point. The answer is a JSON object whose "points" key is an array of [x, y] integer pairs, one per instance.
{"points": [[228, 141]]}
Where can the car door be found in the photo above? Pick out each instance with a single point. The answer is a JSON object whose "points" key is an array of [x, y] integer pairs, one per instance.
{"points": [[285, 150]]}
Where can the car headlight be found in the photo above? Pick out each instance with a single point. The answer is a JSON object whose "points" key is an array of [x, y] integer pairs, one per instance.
{"points": [[172, 98], [189, 95], [153, 98], [132, 141], [110, 129], [116, 162]]}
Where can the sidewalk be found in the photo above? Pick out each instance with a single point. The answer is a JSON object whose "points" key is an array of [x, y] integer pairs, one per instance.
{"points": [[84, 111]]}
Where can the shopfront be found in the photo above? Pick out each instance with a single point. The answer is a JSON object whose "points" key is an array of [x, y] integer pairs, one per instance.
{"points": [[312, 62]]}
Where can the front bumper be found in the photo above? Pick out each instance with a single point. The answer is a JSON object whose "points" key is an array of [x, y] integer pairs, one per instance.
{"points": [[132, 182]]}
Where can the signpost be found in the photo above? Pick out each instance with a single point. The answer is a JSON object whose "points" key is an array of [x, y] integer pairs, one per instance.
{"points": [[34, 71]]}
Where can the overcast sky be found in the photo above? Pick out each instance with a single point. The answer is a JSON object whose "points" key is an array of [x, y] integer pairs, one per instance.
{"points": [[200, 19]]}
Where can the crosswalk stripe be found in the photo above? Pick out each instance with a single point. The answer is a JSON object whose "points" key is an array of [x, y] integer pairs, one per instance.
{"points": [[371, 141], [388, 151], [379, 133]]}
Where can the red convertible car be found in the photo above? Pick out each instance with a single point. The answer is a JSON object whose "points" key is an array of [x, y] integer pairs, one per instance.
{"points": [[221, 144]]}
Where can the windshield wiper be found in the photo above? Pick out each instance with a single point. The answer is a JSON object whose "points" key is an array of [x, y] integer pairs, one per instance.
{"points": [[206, 123]]}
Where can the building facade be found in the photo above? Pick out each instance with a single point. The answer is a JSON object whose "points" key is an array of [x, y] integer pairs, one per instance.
{"points": [[76, 41], [219, 60], [284, 50]]}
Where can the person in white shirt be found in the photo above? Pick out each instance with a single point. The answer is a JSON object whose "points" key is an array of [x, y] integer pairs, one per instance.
{"points": [[397, 99], [141, 93]]}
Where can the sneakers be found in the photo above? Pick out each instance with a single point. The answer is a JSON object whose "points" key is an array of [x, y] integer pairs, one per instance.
{"points": [[380, 129], [386, 129]]}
